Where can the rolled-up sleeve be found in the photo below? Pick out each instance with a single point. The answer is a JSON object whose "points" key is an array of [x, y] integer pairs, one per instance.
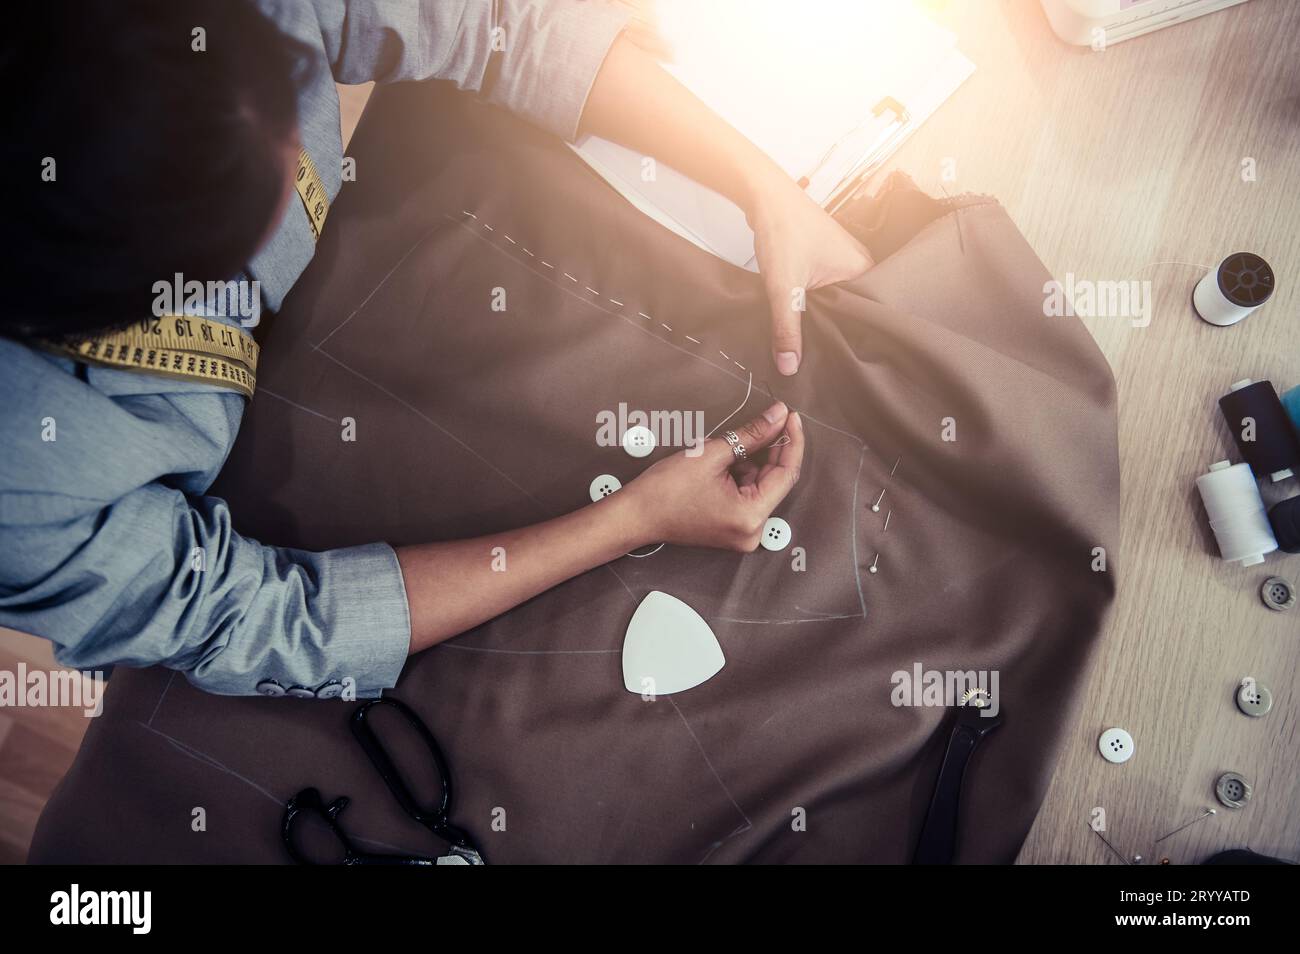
{"points": [[158, 577], [536, 58]]}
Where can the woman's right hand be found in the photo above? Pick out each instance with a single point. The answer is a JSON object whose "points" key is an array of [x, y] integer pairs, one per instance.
{"points": [[706, 500], [714, 500]]}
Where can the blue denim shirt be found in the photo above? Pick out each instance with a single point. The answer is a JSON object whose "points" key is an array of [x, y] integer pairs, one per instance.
{"points": [[108, 545]]}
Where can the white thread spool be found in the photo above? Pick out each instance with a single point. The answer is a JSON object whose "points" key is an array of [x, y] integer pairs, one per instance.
{"points": [[1225, 295], [1236, 512]]}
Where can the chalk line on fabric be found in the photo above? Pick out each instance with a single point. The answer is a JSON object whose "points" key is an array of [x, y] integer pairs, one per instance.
{"points": [[853, 531], [270, 393], [531, 652], [161, 696], [709, 762], [382, 282], [204, 758]]}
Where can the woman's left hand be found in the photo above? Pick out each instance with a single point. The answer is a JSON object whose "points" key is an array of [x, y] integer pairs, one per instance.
{"points": [[799, 247]]}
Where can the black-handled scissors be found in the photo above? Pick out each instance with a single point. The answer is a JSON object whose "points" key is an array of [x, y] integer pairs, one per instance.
{"points": [[938, 842], [461, 848]]}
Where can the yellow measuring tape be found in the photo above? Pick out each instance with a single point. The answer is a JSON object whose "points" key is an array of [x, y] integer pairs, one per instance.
{"points": [[312, 192], [185, 347], [188, 347]]}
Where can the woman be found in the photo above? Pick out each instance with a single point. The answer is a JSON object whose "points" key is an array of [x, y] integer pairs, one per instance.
{"points": [[173, 149]]}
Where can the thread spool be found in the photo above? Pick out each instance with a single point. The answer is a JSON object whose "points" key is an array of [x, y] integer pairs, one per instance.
{"points": [[1236, 513], [1225, 295], [1284, 518], [1274, 450], [1291, 404]]}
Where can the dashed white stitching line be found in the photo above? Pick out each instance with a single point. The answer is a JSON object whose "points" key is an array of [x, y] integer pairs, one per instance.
{"points": [[613, 301]]}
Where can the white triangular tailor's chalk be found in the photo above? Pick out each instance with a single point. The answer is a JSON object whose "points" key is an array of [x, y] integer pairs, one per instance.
{"points": [[668, 647]]}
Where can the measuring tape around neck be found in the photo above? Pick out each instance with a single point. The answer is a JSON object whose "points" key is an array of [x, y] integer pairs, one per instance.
{"points": [[189, 347], [312, 192], [184, 347]]}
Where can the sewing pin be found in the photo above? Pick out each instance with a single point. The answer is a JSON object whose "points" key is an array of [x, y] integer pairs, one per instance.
{"points": [[887, 516], [1205, 814], [875, 507], [1109, 845], [872, 568]]}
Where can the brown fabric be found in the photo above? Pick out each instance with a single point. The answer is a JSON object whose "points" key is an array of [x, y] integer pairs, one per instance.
{"points": [[470, 420]]}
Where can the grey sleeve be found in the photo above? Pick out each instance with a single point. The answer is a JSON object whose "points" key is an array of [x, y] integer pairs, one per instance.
{"points": [[537, 58], [158, 577]]}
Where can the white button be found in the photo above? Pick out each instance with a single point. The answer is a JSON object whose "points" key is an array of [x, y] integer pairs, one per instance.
{"points": [[1115, 745], [603, 486], [301, 692], [776, 534], [331, 690], [639, 441], [269, 687]]}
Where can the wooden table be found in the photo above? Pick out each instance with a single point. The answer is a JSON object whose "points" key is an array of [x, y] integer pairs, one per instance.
{"points": [[1110, 162]]}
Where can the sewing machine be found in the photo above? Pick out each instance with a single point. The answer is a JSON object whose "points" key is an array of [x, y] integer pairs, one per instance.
{"points": [[1105, 22]]}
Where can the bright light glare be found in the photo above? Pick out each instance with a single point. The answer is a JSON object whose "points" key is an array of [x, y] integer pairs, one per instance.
{"points": [[760, 62]]}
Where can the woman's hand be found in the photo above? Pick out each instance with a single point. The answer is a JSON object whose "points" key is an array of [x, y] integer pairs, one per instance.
{"points": [[799, 247], [712, 500], [709, 500]]}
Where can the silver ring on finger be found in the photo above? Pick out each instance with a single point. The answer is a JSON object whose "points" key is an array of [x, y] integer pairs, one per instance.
{"points": [[737, 448]]}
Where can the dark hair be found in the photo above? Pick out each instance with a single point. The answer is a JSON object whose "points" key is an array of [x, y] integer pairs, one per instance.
{"points": [[166, 159]]}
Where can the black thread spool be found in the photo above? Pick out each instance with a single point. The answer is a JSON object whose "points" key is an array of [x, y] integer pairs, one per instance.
{"points": [[1284, 518], [1275, 451]]}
